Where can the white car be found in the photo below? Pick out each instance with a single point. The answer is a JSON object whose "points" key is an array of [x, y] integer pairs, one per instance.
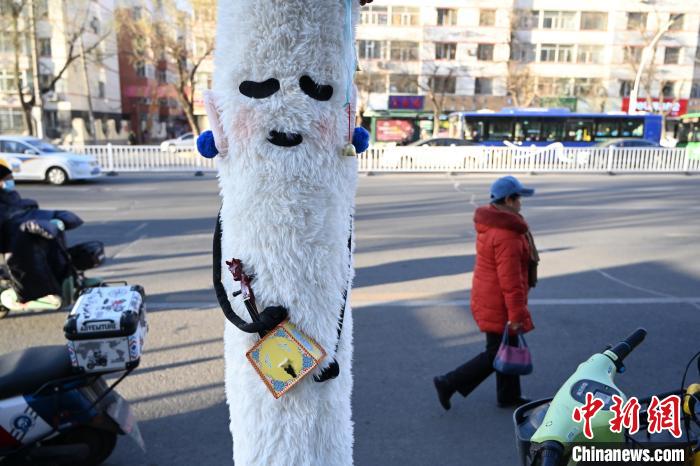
{"points": [[185, 140], [34, 159]]}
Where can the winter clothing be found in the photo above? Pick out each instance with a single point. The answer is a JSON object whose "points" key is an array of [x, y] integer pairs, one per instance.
{"points": [[468, 376], [500, 283], [505, 269], [34, 237]]}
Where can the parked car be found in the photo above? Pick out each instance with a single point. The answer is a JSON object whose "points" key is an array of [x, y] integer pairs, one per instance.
{"points": [[35, 159], [441, 142], [627, 143], [184, 140]]}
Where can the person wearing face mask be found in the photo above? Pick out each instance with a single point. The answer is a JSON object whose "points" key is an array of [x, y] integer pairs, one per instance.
{"points": [[505, 270], [33, 242]]}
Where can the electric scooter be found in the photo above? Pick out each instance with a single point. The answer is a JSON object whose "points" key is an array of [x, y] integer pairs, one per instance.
{"points": [[545, 430], [56, 407]]}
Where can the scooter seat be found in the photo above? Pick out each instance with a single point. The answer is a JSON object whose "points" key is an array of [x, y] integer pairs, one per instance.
{"points": [[24, 372]]}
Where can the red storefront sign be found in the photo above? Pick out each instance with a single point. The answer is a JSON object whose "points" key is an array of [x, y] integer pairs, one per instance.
{"points": [[671, 107], [406, 102], [394, 130]]}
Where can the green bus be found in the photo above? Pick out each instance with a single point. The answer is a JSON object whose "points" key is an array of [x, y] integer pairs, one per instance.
{"points": [[689, 134]]}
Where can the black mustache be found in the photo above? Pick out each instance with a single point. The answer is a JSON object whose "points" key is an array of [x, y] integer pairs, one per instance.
{"points": [[285, 139]]}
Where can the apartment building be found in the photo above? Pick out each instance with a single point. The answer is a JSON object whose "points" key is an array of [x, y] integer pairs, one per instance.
{"points": [[85, 103], [490, 54]]}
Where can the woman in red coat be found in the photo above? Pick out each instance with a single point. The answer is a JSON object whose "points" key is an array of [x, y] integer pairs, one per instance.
{"points": [[506, 260]]}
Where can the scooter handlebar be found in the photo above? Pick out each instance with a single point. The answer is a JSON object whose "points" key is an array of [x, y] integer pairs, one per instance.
{"points": [[626, 346]]}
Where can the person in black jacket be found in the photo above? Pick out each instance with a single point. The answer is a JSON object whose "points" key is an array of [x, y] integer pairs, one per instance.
{"points": [[37, 261]]}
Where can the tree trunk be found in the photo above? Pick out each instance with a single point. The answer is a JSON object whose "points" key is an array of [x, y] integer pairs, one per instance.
{"points": [[26, 105]]}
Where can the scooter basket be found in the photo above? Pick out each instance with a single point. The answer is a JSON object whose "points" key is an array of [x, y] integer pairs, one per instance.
{"points": [[106, 329], [526, 420], [87, 255]]}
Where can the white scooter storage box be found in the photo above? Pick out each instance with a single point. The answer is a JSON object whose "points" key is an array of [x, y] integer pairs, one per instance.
{"points": [[106, 329]]}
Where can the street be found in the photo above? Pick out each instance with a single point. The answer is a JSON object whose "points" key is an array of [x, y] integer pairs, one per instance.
{"points": [[618, 252]]}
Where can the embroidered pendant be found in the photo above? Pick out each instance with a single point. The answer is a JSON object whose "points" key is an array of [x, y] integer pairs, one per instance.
{"points": [[349, 150], [285, 356]]}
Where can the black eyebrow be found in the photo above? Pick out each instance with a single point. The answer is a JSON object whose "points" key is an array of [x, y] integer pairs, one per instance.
{"points": [[256, 90], [314, 90]]}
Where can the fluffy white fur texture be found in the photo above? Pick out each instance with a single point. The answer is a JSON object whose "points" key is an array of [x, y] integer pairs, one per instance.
{"points": [[286, 214]]}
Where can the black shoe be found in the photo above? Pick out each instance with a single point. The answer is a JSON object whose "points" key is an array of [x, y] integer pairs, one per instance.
{"points": [[516, 403], [444, 391]]}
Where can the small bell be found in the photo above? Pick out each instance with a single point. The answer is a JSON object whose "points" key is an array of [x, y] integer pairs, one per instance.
{"points": [[349, 150]]}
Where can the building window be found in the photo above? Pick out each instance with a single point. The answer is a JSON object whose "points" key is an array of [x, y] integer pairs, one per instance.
{"points": [[590, 54], [636, 21], [372, 83], [443, 84], [487, 17], [594, 21], [587, 86], [483, 86], [445, 51], [11, 120], [528, 19], [677, 24], [45, 82], [556, 53], [137, 13], [42, 9], [626, 88], [524, 53], [667, 89], [140, 68], [405, 16], [672, 55], [371, 49], [375, 15], [44, 47], [484, 52], [560, 87], [695, 90], [162, 76], [632, 54], [559, 20], [101, 90], [404, 51], [7, 81], [403, 84], [447, 16]]}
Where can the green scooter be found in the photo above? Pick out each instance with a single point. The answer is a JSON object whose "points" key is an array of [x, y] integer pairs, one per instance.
{"points": [[545, 431]]}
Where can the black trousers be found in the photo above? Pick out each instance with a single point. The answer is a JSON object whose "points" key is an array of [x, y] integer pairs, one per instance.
{"points": [[469, 375]]}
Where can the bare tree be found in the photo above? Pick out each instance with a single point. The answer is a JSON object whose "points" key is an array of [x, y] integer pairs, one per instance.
{"points": [[642, 62], [164, 41], [23, 19], [437, 85], [521, 86]]}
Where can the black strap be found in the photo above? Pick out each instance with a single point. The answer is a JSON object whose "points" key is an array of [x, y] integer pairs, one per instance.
{"points": [[219, 287], [333, 369]]}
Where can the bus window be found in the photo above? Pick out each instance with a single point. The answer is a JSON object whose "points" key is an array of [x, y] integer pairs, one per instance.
{"points": [[605, 129], [500, 129], [474, 130], [689, 131], [578, 130], [632, 128], [552, 130], [527, 130]]}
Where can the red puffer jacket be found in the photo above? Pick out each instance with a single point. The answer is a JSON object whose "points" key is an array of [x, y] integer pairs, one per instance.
{"points": [[500, 285]]}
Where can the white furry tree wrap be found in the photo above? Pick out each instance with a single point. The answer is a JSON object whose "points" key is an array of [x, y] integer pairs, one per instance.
{"points": [[285, 214]]}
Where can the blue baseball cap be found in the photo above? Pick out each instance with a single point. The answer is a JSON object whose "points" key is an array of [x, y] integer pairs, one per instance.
{"points": [[508, 186]]}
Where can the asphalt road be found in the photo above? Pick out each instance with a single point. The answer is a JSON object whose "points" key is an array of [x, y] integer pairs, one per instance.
{"points": [[618, 252]]}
